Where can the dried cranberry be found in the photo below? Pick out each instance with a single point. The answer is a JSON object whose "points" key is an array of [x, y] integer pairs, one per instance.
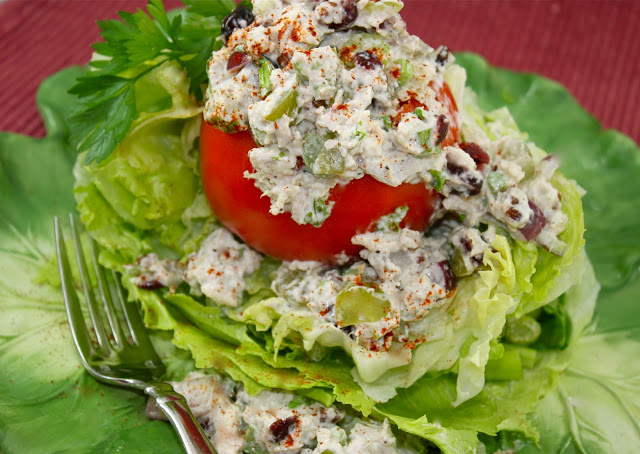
{"points": [[237, 61], [367, 60], [442, 129], [280, 428], [476, 152], [349, 17], [514, 214], [150, 285], [536, 223], [450, 282], [283, 60], [241, 17], [443, 55]]}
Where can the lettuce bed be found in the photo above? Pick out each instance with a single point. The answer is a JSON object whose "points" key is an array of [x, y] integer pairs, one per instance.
{"points": [[595, 407]]}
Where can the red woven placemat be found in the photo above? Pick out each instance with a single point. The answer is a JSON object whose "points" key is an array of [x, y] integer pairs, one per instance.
{"points": [[590, 46]]}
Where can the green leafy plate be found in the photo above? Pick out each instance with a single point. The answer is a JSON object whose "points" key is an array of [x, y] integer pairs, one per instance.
{"points": [[49, 404]]}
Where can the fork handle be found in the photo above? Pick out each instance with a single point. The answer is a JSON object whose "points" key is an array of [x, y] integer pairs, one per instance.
{"points": [[175, 407]]}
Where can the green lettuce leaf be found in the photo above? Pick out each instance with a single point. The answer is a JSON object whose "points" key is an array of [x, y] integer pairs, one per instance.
{"points": [[146, 195]]}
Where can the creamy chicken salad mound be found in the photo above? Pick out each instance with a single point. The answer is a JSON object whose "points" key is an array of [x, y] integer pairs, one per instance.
{"points": [[276, 421], [475, 310], [335, 90]]}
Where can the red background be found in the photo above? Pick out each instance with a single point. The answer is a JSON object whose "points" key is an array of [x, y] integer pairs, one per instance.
{"points": [[590, 46]]}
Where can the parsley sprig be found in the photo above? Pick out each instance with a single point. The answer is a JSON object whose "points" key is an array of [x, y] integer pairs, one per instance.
{"points": [[133, 46]]}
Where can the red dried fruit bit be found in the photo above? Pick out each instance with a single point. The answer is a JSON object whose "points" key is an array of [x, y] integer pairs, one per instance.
{"points": [[476, 152], [367, 60], [443, 55], [536, 223], [150, 285], [350, 15], [450, 282], [237, 61], [280, 428], [442, 129], [241, 17]]}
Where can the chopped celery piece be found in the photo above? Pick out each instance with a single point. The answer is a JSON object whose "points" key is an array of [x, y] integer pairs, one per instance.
{"points": [[437, 179], [523, 330], [286, 105], [497, 182], [319, 161], [423, 139], [509, 367], [406, 72], [368, 41], [329, 162], [360, 305], [312, 146], [459, 266], [419, 113], [264, 74], [393, 5]]}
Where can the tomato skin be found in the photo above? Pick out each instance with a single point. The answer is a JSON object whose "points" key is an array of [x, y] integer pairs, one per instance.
{"points": [[239, 204], [444, 95]]}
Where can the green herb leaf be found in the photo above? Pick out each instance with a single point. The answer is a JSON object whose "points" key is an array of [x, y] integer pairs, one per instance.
{"points": [[133, 46], [437, 179]]}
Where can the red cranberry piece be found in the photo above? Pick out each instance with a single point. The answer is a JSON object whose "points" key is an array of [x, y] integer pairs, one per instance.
{"points": [[350, 15], [442, 128], [476, 152], [241, 17], [443, 55], [280, 428], [367, 60], [536, 223], [450, 282], [237, 61], [150, 285]]}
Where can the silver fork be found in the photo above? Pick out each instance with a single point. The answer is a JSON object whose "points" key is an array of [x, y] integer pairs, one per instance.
{"points": [[121, 353]]}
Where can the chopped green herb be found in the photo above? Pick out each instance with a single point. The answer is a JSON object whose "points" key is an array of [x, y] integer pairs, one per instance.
{"points": [[386, 121], [320, 212], [497, 182], [359, 134], [264, 75], [462, 216], [437, 179], [419, 113], [391, 222]]}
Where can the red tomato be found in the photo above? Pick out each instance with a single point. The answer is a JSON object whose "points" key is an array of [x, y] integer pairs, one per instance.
{"points": [[239, 204]]}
